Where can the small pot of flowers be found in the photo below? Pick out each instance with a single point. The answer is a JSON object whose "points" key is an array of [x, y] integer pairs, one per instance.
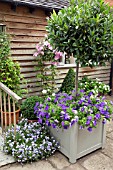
{"points": [[27, 108], [70, 120]]}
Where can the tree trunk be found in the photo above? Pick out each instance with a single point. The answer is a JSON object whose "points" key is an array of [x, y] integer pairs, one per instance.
{"points": [[76, 79]]}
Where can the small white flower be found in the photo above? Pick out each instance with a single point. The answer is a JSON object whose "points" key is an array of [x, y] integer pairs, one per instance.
{"points": [[75, 111], [44, 91], [97, 79], [53, 94], [85, 74]]}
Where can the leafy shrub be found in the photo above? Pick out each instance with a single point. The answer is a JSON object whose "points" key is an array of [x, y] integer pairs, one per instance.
{"points": [[9, 70], [27, 107], [69, 82], [32, 142], [93, 85]]}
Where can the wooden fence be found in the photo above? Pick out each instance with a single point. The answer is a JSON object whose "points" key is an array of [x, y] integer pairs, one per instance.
{"points": [[8, 100]]}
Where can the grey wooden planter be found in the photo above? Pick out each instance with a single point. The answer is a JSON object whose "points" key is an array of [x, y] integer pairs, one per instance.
{"points": [[76, 143]]}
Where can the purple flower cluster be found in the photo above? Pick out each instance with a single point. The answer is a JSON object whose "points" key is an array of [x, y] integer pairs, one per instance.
{"points": [[63, 110], [32, 142]]}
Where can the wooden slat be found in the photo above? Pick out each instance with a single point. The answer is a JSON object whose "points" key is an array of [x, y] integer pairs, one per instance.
{"points": [[14, 117], [9, 108], [4, 96], [27, 26], [1, 108], [23, 45], [8, 91], [23, 19], [30, 39], [26, 32], [24, 51], [23, 58]]}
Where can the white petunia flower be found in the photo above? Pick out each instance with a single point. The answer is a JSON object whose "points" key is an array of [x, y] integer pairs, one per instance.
{"points": [[44, 91]]}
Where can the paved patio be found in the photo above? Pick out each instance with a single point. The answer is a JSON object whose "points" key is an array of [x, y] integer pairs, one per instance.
{"points": [[101, 159]]}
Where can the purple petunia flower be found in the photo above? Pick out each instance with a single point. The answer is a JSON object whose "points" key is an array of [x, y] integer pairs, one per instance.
{"points": [[87, 122], [82, 90], [48, 123], [47, 107], [62, 123], [89, 129], [89, 117], [97, 116], [94, 123], [104, 121], [39, 120]]}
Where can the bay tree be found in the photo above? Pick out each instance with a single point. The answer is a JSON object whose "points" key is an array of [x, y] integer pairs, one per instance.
{"points": [[84, 29]]}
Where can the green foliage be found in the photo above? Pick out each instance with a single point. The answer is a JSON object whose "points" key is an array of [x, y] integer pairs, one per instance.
{"points": [[4, 46], [95, 86], [27, 107], [85, 29], [9, 70], [69, 82]]}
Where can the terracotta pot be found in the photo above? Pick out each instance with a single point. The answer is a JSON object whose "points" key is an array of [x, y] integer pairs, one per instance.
{"points": [[31, 121], [12, 117]]}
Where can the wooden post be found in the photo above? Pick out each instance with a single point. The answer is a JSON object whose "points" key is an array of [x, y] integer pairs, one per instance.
{"points": [[9, 108], [111, 78], [1, 107]]}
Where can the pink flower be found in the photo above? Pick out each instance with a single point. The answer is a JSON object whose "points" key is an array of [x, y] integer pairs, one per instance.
{"points": [[47, 44], [39, 48], [58, 55], [54, 63], [35, 54]]}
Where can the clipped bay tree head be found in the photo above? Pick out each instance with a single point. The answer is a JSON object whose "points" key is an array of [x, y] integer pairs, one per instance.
{"points": [[85, 29]]}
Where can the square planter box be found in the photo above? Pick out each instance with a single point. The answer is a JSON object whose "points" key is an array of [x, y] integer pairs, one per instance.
{"points": [[75, 142]]}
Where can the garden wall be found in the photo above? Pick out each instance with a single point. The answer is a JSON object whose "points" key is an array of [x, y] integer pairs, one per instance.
{"points": [[27, 28]]}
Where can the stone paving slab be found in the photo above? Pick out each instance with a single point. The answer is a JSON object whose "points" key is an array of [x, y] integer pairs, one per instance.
{"points": [[59, 161], [97, 161], [40, 165], [4, 158], [108, 150]]}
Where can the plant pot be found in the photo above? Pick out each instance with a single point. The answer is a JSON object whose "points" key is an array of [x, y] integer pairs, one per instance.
{"points": [[32, 121], [76, 142], [12, 117]]}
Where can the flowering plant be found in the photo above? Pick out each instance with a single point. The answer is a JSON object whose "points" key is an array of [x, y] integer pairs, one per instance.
{"points": [[32, 142], [45, 52], [93, 85], [46, 71], [63, 110]]}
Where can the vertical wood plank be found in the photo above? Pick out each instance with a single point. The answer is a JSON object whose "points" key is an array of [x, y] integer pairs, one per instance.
{"points": [[14, 117], [9, 108], [1, 108], [4, 94], [112, 78]]}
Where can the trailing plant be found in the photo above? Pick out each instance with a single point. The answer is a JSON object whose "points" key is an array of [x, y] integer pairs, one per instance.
{"points": [[27, 107], [85, 30], [47, 59], [69, 82], [31, 142]]}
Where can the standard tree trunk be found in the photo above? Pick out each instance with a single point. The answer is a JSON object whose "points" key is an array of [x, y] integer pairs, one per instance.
{"points": [[76, 79]]}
